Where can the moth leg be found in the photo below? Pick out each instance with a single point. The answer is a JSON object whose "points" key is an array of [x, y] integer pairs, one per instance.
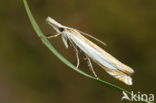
{"points": [[49, 36], [77, 53], [52, 36], [77, 56], [91, 67], [78, 62], [65, 40]]}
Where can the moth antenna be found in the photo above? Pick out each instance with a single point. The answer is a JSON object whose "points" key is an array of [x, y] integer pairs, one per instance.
{"points": [[92, 37]]}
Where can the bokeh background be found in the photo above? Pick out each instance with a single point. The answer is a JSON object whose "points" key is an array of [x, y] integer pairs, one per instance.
{"points": [[30, 73]]}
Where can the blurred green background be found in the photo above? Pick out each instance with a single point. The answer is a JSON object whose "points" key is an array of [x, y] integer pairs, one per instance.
{"points": [[30, 73]]}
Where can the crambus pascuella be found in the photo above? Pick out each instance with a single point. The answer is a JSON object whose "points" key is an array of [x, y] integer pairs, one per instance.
{"points": [[75, 38]]}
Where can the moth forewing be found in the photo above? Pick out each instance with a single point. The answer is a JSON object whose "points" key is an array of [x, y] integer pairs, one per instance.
{"points": [[96, 54], [110, 64]]}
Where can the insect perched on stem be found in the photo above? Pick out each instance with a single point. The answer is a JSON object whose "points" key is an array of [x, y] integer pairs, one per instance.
{"points": [[93, 52]]}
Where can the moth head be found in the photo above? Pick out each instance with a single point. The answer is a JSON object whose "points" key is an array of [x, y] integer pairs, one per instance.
{"points": [[57, 26]]}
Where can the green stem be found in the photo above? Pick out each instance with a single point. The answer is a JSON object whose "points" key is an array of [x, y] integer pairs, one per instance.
{"points": [[65, 61]]}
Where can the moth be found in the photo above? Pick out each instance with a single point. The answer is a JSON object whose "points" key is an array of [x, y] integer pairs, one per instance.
{"points": [[93, 52]]}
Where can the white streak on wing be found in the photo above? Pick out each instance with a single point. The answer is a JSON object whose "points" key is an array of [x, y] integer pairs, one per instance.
{"points": [[95, 55], [106, 57], [91, 52]]}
